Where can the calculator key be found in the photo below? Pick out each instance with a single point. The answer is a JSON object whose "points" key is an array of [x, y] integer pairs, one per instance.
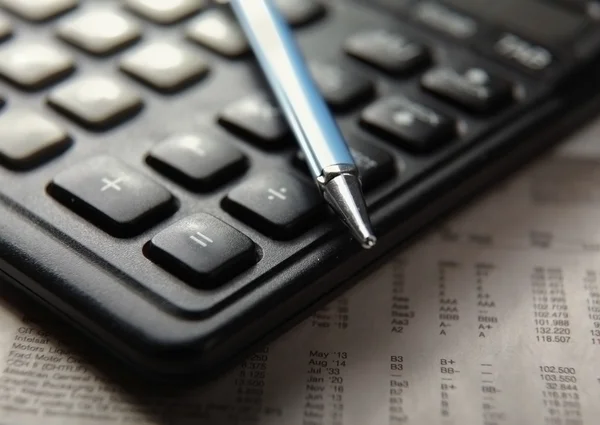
{"points": [[518, 52], [388, 51], [409, 124], [38, 10], [300, 12], [6, 27], [99, 32], [28, 139], [258, 118], [277, 204], [200, 162], [446, 20], [375, 165], [472, 88], [165, 12], [217, 30], [341, 88], [166, 67], [202, 250], [95, 101], [34, 65], [112, 196]]}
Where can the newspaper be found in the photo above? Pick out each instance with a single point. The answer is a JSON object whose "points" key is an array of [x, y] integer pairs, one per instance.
{"points": [[491, 319]]}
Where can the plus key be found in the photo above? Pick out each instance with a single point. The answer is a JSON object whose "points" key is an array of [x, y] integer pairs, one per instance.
{"points": [[112, 196]]}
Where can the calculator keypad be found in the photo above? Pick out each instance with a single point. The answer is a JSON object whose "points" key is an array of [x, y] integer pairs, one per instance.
{"points": [[151, 117]]}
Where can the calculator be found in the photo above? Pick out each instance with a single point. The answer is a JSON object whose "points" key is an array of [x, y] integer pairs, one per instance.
{"points": [[153, 196]]}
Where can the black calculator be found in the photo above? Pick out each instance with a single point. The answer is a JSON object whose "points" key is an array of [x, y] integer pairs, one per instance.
{"points": [[151, 192]]}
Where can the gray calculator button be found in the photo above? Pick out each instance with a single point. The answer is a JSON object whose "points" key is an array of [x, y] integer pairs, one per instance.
{"points": [[165, 66], [99, 32], [95, 101], [34, 65], [28, 139]]}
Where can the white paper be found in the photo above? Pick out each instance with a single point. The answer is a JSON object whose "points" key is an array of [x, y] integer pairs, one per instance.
{"points": [[491, 319]]}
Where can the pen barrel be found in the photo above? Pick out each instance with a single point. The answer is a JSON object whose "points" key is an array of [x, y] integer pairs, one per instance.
{"points": [[285, 69]]}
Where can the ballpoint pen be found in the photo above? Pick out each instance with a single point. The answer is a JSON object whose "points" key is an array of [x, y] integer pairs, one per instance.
{"points": [[324, 147]]}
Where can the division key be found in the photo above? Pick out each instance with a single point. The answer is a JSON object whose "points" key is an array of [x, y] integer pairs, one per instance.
{"points": [[276, 203]]}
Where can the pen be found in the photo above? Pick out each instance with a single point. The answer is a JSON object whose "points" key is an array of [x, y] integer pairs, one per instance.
{"points": [[327, 154]]}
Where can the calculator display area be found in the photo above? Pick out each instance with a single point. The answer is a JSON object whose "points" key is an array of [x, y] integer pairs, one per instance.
{"points": [[534, 19]]}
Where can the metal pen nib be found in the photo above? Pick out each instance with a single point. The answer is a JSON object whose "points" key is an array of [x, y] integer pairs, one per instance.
{"points": [[327, 154], [342, 190]]}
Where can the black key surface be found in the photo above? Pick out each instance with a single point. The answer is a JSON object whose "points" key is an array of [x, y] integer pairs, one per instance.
{"points": [[34, 65], [375, 165], [523, 54], [387, 50], [38, 10], [341, 87], [300, 12], [474, 88], [199, 162], [277, 204], [202, 250], [113, 196], [99, 32], [165, 12], [446, 20], [409, 124], [217, 30], [165, 66], [257, 118], [28, 139], [96, 101]]}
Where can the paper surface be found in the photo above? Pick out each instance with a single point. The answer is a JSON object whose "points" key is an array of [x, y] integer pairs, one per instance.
{"points": [[491, 319]]}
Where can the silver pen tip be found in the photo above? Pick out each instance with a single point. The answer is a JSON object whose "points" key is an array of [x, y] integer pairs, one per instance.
{"points": [[344, 195], [369, 242]]}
